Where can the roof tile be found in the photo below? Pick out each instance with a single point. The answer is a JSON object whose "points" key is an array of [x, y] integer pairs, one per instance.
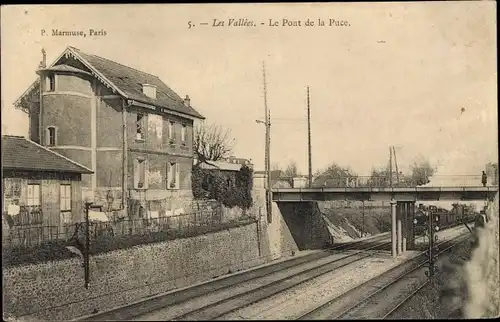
{"points": [[19, 153], [130, 80]]}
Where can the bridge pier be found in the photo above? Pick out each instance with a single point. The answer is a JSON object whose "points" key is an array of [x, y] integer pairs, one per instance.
{"points": [[399, 227], [403, 233], [393, 228]]}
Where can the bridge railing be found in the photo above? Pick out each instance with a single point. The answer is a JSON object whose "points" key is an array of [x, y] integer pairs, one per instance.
{"points": [[385, 182]]}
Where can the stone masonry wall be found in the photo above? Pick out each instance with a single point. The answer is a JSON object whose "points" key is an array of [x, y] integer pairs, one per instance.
{"points": [[54, 290]]}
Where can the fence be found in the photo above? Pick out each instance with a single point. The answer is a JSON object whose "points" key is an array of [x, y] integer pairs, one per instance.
{"points": [[172, 226]]}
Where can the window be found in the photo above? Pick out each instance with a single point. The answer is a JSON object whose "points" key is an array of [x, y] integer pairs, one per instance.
{"points": [[171, 132], [172, 175], [51, 136], [65, 197], [183, 134], [141, 180], [51, 83], [140, 127], [12, 188], [33, 195]]}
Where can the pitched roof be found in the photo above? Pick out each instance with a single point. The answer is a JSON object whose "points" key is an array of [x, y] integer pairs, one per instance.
{"points": [[221, 165], [128, 82], [19, 153]]}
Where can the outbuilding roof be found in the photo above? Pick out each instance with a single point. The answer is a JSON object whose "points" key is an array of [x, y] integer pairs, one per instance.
{"points": [[19, 153]]}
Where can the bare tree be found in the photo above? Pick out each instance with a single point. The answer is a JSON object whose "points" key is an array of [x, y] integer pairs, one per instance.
{"points": [[212, 143], [422, 170], [291, 170]]}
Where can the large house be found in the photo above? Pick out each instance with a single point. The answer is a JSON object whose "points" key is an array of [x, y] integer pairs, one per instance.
{"points": [[131, 129], [41, 193]]}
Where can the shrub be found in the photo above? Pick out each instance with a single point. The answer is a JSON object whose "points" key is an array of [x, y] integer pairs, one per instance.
{"points": [[213, 184]]}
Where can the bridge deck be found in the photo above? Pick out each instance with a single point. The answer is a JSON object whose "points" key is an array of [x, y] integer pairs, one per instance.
{"points": [[384, 193]]}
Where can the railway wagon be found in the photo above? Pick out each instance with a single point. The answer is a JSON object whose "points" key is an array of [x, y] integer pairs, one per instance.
{"points": [[445, 219]]}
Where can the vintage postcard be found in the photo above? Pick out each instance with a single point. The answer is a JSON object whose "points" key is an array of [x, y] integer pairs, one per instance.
{"points": [[262, 161]]}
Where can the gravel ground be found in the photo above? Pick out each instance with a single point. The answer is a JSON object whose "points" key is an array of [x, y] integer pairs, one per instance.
{"points": [[296, 301], [292, 303]]}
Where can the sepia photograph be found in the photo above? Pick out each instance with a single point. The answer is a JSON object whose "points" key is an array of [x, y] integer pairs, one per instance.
{"points": [[252, 161]]}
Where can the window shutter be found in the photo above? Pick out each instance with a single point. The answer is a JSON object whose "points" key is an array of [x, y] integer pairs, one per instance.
{"points": [[146, 174], [136, 173], [62, 200], [169, 176], [36, 195], [177, 176]]}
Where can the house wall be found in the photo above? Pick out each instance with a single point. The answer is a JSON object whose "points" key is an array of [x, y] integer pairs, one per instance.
{"points": [[158, 151], [49, 194], [70, 109]]}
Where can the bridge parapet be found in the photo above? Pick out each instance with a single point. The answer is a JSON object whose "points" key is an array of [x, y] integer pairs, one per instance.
{"points": [[450, 181]]}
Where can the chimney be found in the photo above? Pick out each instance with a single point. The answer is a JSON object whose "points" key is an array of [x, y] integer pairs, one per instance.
{"points": [[43, 63], [187, 101], [149, 90]]}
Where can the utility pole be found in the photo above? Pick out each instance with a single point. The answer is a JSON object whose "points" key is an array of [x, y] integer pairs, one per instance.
{"points": [[390, 166], [309, 137], [268, 149], [433, 249], [363, 227], [395, 163]]}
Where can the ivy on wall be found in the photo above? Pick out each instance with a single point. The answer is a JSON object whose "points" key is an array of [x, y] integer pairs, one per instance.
{"points": [[231, 188]]}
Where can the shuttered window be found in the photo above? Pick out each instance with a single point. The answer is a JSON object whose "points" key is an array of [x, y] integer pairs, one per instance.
{"points": [[33, 195], [65, 197], [172, 175], [140, 173]]}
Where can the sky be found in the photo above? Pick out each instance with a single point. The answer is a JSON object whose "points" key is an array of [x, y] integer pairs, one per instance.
{"points": [[419, 76]]}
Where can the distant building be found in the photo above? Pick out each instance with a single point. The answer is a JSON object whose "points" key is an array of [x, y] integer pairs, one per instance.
{"points": [[232, 159], [276, 179], [129, 127], [42, 190]]}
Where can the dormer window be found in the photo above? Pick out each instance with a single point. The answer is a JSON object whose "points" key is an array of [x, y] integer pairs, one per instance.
{"points": [[51, 83], [149, 90], [51, 136]]}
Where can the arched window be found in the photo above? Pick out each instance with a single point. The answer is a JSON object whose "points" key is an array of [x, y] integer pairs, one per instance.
{"points": [[51, 83], [51, 135]]}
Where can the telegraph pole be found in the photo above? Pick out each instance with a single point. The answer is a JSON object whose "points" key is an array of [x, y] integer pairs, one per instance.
{"points": [[390, 166], [433, 249], [309, 137], [268, 148]]}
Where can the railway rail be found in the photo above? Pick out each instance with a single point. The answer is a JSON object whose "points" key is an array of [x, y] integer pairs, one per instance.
{"points": [[293, 272], [397, 285]]}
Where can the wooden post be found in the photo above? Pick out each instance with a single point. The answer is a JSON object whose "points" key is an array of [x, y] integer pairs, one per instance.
{"points": [[309, 138]]}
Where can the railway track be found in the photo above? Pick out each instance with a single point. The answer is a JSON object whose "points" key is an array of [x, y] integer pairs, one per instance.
{"points": [[300, 275], [371, 298], [315, 264]]}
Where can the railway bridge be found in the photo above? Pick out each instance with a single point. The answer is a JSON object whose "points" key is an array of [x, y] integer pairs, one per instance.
{"points": [[402, 197]]}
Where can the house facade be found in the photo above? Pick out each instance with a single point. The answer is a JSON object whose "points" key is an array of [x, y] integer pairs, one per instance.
{"points": [[131, 129], [41, 193]]}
